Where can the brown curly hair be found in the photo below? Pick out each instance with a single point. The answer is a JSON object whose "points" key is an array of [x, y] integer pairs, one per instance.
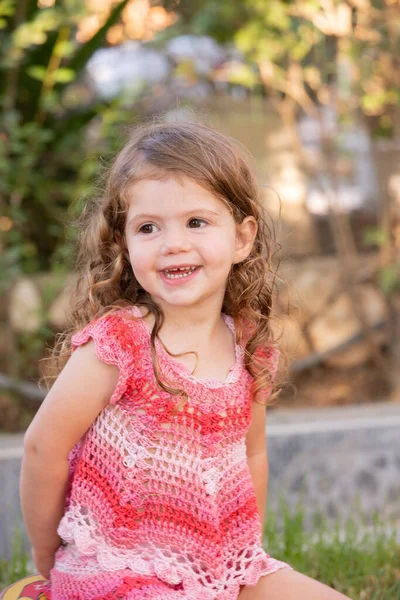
{"points": [[106, 281]]}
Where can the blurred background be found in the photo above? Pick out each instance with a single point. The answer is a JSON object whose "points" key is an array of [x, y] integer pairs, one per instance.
{"points": [[310, 87]]}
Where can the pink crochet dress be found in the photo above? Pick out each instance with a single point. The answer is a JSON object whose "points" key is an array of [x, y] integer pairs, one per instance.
{"points": [[161, 506]]}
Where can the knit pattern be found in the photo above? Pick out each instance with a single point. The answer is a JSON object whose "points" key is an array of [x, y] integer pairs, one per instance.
{"points": [[160, 503]]}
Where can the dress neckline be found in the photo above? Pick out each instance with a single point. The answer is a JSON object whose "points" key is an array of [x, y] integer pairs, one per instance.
{"points": [[180, 369]]}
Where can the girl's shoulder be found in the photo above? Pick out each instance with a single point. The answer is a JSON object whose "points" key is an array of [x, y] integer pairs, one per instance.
{"points": [[117, 336], [115, 333]]}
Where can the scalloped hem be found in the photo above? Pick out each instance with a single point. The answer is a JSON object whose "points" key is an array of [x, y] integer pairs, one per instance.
{"points": [[269, 571], [103, 564], [260, 566], [129, 586]]}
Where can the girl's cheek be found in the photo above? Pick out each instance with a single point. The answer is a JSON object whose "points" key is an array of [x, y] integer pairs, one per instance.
{"points": [[221, 249]]}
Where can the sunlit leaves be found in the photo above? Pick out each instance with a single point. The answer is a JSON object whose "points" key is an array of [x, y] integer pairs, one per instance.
{"points": [[389, 279], [64, 75], [35, 32], [64, 48], [241, 74], [274, 14], [61, 75], [6, 10], [36, 72], [375, 102]]}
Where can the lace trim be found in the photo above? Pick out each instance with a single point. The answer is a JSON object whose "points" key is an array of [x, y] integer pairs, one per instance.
{"points": [[212, 383], [122, 341], [242, 568]]}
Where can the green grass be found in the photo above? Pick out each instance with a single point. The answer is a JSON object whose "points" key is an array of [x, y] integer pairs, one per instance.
{"points": [[362, 563], [17, 567], [359, 560]]}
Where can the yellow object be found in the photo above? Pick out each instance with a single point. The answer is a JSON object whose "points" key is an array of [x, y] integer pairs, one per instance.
{"points": [[29, 588]]}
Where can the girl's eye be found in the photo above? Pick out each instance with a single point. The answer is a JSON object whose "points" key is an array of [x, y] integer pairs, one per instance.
{"points": [[196, 223], [147, 228]]}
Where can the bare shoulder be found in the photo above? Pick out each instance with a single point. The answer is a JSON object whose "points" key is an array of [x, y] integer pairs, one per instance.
{"points": [[86, 375]]}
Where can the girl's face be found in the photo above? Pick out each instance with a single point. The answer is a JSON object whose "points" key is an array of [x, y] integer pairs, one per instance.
{"points": [[182, 241]]}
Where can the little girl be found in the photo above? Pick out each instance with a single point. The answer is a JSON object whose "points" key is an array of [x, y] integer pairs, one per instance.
{"points": [[145, 469]]}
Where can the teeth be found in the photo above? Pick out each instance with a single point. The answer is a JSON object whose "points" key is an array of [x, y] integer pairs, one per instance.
{"points": [[179, 273]]}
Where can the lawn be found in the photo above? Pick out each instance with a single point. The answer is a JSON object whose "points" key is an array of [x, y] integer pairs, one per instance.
{"points": [[358, 559]]}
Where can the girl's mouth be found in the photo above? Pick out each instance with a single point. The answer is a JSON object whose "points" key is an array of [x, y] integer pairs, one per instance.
{"points": [[179, 274]]}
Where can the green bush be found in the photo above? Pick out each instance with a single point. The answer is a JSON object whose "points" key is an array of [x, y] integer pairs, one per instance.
{"points": [[52, 130]]}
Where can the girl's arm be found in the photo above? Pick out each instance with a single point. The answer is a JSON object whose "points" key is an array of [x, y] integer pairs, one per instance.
{"points": [[257, 458], [79, 394]]}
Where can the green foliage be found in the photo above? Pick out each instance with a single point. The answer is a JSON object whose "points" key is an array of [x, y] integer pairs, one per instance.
{"points": [[388, 277], [31, 349], [6, 11], [46, 114], [216, 18], [354, 47], [17, 567], [357, 559], [243, 75]]}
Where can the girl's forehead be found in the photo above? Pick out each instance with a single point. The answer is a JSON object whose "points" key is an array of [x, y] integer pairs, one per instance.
{"points": [[172, 194]]}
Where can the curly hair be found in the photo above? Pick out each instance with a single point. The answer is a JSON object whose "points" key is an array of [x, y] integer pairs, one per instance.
{"points": [[106, 282]]}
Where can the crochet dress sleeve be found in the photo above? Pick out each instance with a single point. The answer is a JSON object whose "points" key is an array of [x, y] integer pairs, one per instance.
{"points": [[113, 345]]}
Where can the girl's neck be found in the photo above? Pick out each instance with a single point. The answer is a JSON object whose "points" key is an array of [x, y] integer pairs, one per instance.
{"points": [[190, 325], [200, 340]]}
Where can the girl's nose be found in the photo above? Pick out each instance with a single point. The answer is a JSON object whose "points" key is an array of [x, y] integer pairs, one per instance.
{"points": [[176, 242]]}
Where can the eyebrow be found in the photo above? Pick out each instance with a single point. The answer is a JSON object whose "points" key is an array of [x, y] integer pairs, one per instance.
{"points": [[148, 216]]}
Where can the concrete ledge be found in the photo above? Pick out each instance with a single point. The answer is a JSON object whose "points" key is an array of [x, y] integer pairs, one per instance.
{"points": [[332, 458], [336, 459], [10, 514]]}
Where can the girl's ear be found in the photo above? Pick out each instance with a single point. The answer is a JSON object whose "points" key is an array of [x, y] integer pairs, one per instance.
{"points": [[246, 232]]}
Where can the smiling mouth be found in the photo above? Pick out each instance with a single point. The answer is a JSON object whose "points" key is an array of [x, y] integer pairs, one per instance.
{"points": [[180, 272]]}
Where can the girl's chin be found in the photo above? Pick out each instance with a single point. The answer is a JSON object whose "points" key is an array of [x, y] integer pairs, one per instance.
{"points": [[178, 298]]}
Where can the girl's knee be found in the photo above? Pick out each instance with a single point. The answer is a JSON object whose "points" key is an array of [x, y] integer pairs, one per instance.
{"points": [[287, 584]]}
